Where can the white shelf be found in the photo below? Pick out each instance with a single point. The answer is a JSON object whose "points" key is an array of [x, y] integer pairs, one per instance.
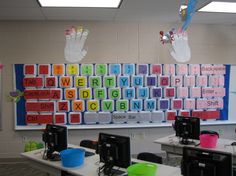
{"points": [[121, 126]]}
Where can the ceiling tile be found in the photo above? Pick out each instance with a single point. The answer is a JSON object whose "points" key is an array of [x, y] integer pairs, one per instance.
{"points": [[214, 18], [21, 14], [18, 3], [165, 11], [148, 10], [79, 13]]}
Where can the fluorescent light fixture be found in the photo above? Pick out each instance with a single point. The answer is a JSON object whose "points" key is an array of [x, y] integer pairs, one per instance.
{"points": [[80, 3], [222, 7]]}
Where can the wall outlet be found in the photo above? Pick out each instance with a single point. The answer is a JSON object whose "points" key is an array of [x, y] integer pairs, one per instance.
{"points": [[24, 138], [141, 135], [132, 136], [221, 132]]}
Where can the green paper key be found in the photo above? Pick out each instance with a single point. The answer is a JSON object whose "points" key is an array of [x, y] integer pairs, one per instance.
{"points": [[95, 81], [101, 69], [100, 93], [108, 105], [109, 81], [87, 69], [122, 105], [114, 93]]}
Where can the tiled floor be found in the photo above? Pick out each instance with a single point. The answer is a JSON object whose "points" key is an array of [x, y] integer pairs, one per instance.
{"points": [[23, 169], [19, 169]]}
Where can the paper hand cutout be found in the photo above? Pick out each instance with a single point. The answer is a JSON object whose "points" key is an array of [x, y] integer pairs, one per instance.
{"points": [[181, 50], [75, 40]]}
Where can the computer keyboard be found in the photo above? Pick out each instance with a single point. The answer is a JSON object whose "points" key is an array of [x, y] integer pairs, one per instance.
{"points": [[87, 153], [133, 162], [80, 94], [118, 172]]}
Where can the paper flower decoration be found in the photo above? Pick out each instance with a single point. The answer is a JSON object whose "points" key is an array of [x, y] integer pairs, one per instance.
{"points": [[15, 95], [166, 37]]}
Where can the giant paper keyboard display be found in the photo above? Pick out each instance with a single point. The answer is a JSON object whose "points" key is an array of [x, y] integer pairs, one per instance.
{"points": [[93, 94]]}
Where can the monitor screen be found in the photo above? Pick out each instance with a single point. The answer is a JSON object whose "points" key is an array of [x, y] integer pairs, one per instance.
{"points": [[55, 138], [114, 150], [187, 128], [202, 162]]}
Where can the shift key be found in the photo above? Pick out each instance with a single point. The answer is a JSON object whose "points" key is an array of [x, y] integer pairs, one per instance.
{"points": [[40, 106]]}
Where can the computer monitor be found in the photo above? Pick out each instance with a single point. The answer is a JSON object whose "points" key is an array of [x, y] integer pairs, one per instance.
{"points": [[187, 128], [202, 162], [114, 150], [55, 138]]}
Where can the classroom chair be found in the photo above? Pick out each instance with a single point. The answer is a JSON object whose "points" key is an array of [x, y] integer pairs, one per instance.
{"points": [[151, 157], [89, 144]]}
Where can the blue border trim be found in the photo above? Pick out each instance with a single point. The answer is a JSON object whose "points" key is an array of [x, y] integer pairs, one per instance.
{"points": [[20, 105], [224, 112]]}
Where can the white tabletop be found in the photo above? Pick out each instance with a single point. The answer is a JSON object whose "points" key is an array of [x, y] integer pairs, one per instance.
{"points": [[90, 166], [223, 145]]}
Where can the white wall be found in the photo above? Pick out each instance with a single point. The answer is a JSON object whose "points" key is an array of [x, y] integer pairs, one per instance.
{"points": [[108, 42]]}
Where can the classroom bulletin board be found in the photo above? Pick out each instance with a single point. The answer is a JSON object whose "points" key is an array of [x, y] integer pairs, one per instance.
{"points": [[0, 100], [119, 95]]}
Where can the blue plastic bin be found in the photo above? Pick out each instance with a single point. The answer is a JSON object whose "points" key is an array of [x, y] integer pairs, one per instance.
{"points": [[72, 157]]}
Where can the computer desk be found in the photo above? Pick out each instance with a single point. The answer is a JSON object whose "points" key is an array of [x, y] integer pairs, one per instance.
{"points": [[89, 168], [170, 144]]}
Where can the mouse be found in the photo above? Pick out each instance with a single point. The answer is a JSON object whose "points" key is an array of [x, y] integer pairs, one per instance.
{"points": [[233, 143], [55, 157]]}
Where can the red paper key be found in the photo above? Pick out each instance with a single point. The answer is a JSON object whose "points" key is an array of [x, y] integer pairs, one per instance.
{"points": [[33, 82], [39, 106]]}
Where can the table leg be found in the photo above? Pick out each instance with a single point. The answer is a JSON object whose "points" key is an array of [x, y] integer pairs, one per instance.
{"points": [[167, 157], [64, 173]]}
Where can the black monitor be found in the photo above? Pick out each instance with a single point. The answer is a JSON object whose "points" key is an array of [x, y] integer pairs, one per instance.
{"points": [[187, 128], [202, 162], [114, 150], [55, 138]]}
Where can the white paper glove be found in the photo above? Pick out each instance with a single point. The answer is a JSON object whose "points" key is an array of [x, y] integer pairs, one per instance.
{"points": [[75, 41], [180, 48]]}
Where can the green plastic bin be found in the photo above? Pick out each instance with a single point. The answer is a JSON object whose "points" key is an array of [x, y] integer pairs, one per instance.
{"points": [[142, 169]]}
